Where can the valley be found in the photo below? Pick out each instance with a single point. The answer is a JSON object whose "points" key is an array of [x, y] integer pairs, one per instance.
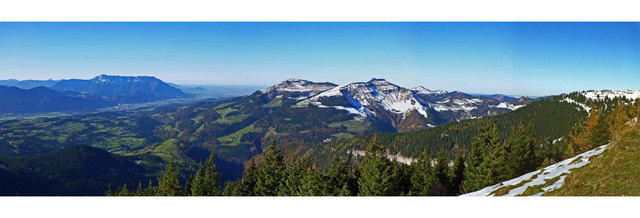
{"points": [[316, 121]]}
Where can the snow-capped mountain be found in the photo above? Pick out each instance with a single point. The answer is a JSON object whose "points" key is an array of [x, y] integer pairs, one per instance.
{"points": [[403, 109], [296, 89]]}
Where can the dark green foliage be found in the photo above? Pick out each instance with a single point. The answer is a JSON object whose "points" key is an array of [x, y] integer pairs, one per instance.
{"points": [[521, 155], [441, 174], [340, 180], [378, 176], [456, 176], [600, 134], [206, 183], [422, 178], [550, 118], [168, 182], [486, 161], [188, 186], [75, 170], [270, 173], [293, 180]]}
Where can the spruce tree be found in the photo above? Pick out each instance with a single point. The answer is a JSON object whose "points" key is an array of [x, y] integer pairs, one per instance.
{"points": [[311, 183], [150, 190], [521, 152], [339, 179], [206, 181], [188, 186], [376, 172], [247, 185], [457, 175], [441, 175], [480, 170], [270, 173], [600, 134], [421, 176], [293, 176], [168, 182]]}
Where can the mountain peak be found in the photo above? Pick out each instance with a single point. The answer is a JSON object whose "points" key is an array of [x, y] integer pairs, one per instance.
{"points": [[425, 91], [379, 81], [299, 85]]}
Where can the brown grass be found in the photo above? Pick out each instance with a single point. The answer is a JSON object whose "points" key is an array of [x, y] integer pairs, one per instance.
{"points": [[615, 173]]}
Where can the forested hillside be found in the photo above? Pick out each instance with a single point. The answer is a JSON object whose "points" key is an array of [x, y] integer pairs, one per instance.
{"points": [[76, 170], [550, 120]]}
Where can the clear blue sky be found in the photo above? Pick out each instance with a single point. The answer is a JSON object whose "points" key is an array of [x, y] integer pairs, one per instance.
{"points": [[511, 58]]}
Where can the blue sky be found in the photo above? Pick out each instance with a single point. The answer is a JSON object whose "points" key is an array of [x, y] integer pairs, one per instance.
{"points": [[511, 58]]}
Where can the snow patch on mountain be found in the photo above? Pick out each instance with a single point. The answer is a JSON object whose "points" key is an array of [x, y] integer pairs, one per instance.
{"points": [[425, 91], [457, 104], [393, 157], [600, 95], [509, 106], [299, 85], [585, 107], [558, 172]]}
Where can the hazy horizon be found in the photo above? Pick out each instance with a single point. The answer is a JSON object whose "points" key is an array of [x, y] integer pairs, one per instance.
{"points": [[531, 59]]}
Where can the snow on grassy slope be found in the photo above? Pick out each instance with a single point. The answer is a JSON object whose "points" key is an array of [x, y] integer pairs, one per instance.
{"points": [[546, 180], [585, 107]]}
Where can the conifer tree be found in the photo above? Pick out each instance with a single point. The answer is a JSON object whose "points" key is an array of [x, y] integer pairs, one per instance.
{"points": [[545, 163], [206, 181], [188, 186], [140, 189], [340, 180], [270, 173], [457, 175], [571, 152], [124, 191], [293, 176], [485, 150], [600, 134], [247, 185], [150, 190], [617, 121], [109, 191], [421, 176], [168, 182], [311, 183], [377, 176], [521, 152], [441, 175], [376, 172]]}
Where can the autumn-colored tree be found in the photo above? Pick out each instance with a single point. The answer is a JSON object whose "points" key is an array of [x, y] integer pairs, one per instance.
{"points": [[618, 121]]}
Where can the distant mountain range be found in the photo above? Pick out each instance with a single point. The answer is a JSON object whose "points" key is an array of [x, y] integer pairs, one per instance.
{"points": [[28, 96], [298, 111], [403, 109]]}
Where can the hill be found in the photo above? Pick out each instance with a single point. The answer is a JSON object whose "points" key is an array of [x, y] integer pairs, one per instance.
{"points": [[615, 173], [125, 89], [75, 170], [42, 99]]}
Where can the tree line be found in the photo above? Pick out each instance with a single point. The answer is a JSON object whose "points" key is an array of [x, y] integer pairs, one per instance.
{"points": [[491, 159]]}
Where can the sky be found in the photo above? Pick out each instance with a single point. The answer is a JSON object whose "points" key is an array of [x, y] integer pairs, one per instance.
{"points": [[533, 59]]}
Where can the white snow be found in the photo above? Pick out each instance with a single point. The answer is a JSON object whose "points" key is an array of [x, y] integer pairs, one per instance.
{"points": [[599, 95], [509, 106], [585, 107], [299, 85], [457, 104], [425, 91], [396, 157], [560, 169]]}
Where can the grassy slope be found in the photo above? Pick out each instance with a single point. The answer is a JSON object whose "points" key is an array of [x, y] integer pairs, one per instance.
{"points": [[615, 173]]}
